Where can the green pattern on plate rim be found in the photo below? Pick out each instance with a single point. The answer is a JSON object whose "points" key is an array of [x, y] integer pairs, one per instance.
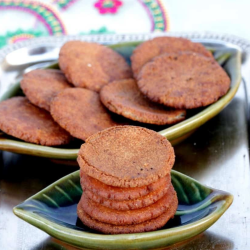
{"points": [[229, 58], [53, 210]]}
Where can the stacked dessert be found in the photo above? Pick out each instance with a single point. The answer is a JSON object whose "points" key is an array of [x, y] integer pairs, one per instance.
{"points": [[125, 176]]}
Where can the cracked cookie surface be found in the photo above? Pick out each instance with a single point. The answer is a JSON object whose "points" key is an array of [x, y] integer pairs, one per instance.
{"points": [[150, 49], [23, 120], [183, 80], [126, 156], [124, 98], [81, 113], [92, 65], [41, 85]]}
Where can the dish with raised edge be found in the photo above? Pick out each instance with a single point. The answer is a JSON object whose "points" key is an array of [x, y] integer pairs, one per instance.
{"points": [[53, 210], [229, 56]]}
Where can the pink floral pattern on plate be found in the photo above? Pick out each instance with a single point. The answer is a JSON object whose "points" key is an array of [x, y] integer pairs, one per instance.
{"points": [[108, 6]]}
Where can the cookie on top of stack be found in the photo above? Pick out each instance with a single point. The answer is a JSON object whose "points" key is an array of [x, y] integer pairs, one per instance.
{"points": [[125, 176]]}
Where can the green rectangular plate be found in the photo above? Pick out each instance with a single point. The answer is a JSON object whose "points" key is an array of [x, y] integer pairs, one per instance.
{"points": [[53, 210], [227, 55]]}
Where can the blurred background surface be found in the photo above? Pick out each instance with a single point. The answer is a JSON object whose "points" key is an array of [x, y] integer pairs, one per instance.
{"points": [[25, 19]]}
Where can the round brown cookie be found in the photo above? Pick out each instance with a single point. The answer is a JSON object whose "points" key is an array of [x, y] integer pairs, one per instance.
{"points": [[42, 85], [124, 98], [80, 112], [183, 80], [126, 156], [117, 193], [116, 217], [147, 226], [21, 119], [130, 204], [91, 65], [160, 45]]}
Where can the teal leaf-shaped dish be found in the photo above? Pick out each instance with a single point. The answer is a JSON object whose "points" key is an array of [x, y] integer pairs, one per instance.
{"points": [[53, 210], [229, 56]]}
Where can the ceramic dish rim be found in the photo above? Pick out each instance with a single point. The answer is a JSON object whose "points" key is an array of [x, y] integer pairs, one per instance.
{"points": [[86, 237], [172, 133]]}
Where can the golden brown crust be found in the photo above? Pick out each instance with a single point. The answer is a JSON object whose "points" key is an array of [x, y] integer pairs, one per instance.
{"points": [[160, 45], [92, 65], [124, 98], [117, 217], [21, 119], [80, 112], [117, 193], [126, 156], [130, 204], [41, 85], [147, 226], [183, 80]]}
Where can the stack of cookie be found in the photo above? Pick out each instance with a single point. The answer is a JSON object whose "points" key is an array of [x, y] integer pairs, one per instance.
{"points": [[95, 84], [125, 176]]}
